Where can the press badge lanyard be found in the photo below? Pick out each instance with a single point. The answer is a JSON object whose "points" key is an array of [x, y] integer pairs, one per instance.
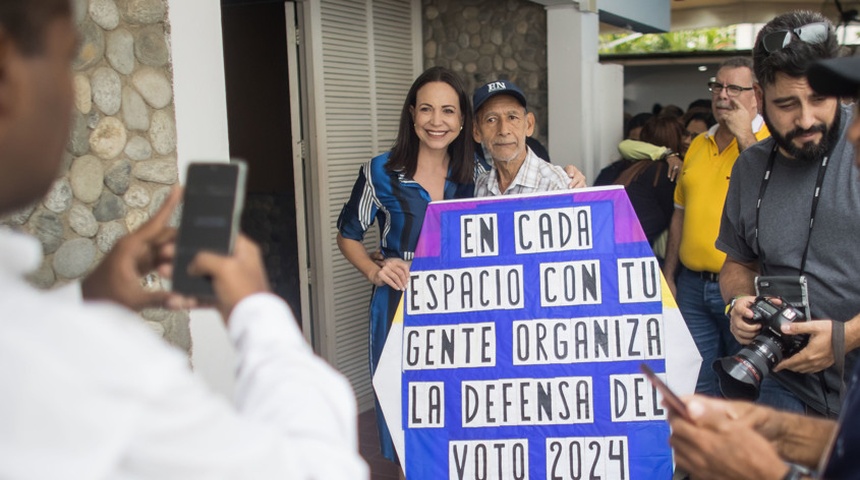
{"points": [[816, 195]]}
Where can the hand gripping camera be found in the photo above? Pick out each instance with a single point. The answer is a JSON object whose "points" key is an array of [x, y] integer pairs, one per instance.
{"points": [[740, 375]]}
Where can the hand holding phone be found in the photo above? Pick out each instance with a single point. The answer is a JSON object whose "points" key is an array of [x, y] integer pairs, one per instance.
{"points": [[117, 276], [673, 403], [212, 207], [235, 276]]}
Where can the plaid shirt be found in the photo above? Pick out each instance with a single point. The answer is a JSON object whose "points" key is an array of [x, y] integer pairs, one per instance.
{"points": [[535, 175]]}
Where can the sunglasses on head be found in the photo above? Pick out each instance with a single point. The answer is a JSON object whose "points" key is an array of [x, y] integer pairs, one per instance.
{"points": [[813, 33]]}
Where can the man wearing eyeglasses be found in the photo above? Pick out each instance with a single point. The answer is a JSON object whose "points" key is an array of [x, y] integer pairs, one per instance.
{"points": [[701, 188], [742, 441], [793, 212]]}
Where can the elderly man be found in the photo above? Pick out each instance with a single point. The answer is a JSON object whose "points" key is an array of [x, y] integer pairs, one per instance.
{"points": [[88, 390], [740, 440], [502, 124], [701, 189]]}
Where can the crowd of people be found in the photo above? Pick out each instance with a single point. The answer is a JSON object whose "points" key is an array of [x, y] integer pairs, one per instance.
{"points": [[731, 194], [652, 154], [761, 185]]}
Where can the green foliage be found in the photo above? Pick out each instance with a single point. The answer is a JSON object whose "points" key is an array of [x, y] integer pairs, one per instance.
{"points": [[704, 39]]}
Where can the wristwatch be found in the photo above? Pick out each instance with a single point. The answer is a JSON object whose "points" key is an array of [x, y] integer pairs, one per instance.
{"points": [[797, 472], [731, 305]]}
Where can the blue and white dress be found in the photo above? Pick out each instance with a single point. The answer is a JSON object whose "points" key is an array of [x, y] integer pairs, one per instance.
{"points": [[398, 204]]}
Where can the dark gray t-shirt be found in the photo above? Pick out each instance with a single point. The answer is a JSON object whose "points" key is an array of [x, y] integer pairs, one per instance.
{"points": [[833, 262]]}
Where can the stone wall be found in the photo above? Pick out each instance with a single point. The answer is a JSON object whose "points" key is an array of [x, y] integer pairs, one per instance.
{"points": [[486, 40], [121, 157]]}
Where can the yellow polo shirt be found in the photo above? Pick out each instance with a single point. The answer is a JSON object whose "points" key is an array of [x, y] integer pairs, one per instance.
{"points": [[701, 192]]}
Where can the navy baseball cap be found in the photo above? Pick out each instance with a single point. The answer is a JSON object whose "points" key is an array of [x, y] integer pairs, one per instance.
{"points": [[836, 76], [482, 94]]}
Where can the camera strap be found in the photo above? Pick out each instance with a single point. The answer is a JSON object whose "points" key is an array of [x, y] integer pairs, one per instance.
{"points": [[822, 169], [837, 344], [837, 337]]}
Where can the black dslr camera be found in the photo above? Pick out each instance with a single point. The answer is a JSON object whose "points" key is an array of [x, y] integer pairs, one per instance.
{"points": [[740, 375]]}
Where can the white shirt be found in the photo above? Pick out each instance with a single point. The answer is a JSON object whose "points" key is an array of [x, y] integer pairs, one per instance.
{"points": [[89, 392], [534, 175]]}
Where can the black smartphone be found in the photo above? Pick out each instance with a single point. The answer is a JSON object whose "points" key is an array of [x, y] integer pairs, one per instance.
{"points": [[673, 403], [212, 206]]}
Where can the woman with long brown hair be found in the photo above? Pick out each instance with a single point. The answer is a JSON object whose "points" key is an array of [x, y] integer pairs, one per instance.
{"points": [[432, 159]]}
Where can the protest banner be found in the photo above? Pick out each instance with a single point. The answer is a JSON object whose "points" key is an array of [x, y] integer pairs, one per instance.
{"points": [[515, 352]]}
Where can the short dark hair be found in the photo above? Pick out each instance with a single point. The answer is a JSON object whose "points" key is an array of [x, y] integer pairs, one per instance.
{"points": [[671, 111], [797, 56], [704, 116], [636, 121], [404, 153], [25, 21], [701, 103]]}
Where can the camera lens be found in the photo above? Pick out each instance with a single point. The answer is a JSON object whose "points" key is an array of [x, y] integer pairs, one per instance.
{"points": [[740, 375]]}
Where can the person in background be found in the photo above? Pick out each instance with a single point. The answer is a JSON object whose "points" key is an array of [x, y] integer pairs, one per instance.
{"points": [[432, 159], [90, 391], [730, 440], [649, 188], [699, 196], [673, 111], [634, 125], [699, 105], [634, 150], [695, 123], [631, 149]]}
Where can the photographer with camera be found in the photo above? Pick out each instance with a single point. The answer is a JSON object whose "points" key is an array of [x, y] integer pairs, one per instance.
{"points": [[741, 374], [91, 392], [790, 219], [740, 440]]}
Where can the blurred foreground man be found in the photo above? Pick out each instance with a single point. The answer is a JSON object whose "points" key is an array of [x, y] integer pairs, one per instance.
{"points": [[740, 440], [89, 392]]}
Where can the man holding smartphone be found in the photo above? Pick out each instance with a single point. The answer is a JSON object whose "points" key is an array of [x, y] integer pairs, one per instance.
{"points": [[88, 390], [741, 440]]}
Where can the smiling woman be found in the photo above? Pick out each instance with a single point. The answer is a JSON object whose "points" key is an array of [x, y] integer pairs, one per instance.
{"points": [[432, 159]]}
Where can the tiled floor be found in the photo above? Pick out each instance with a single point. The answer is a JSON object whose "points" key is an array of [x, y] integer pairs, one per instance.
{"points": [[368, 445]]}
